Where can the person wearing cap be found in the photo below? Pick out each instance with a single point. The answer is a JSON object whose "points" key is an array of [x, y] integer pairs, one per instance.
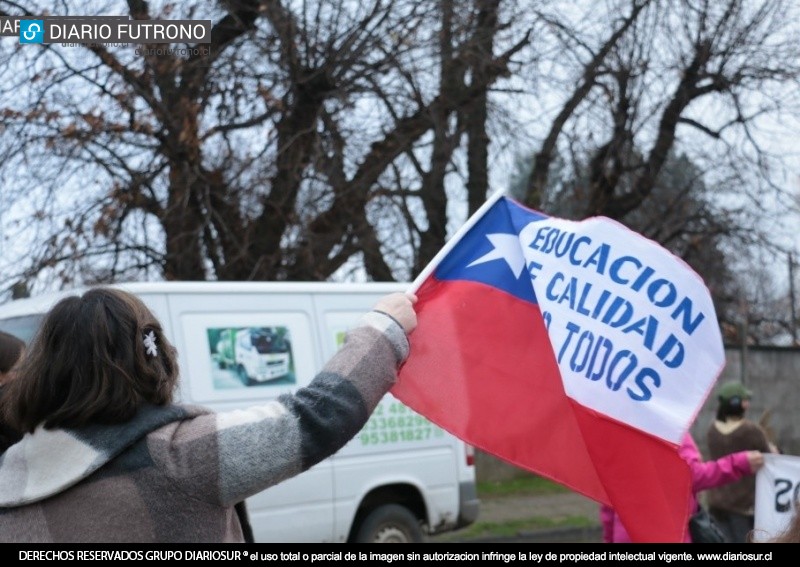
{"points": [[733, 505]]}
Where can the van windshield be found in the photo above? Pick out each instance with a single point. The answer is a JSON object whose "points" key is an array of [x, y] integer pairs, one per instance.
{"points": [[268, 342], [23, 327]]}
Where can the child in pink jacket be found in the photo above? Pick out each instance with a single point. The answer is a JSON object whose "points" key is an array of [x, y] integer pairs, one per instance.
{"points": [[705, 475]]}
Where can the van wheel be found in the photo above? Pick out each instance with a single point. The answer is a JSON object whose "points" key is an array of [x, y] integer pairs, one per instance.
{"points": [[390, 523], [240, 370]]}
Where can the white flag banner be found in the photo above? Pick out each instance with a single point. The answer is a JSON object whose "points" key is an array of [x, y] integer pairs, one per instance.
{"points": [[777, 495]]}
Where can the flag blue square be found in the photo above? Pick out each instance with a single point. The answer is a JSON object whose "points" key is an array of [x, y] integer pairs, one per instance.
{"points": [[31, 31]]}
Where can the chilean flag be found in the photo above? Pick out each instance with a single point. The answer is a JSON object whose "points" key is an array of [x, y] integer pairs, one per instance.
{"points": [[580, 351]]}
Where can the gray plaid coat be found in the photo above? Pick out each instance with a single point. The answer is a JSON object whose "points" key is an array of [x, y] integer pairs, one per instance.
{"points": [[173, 474]]}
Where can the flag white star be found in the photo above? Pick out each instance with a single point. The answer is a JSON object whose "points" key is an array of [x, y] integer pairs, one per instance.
{"points": [[506, 247]]}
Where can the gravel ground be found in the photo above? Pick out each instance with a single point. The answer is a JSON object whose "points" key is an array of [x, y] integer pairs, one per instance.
{"points": [[556, 506]]}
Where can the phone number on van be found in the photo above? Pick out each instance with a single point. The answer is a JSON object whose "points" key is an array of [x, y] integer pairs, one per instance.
{"points": [[397, 424]]}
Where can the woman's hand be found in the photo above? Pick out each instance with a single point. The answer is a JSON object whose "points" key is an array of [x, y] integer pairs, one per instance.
{"points": [[400, 306], [756, 459]]}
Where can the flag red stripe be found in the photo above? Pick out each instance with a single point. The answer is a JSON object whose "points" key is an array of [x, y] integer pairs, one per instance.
{"points": [[648, 483], [482, 368]]}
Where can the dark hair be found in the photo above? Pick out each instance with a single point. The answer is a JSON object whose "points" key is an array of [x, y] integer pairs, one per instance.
{"points": [[730, 407], [88, 363], [11, 349]]}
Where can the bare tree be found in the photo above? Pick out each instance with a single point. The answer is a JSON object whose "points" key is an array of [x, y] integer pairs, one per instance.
{"points": [[666, 65], [336, 139], [700, 80], [258, 157]]}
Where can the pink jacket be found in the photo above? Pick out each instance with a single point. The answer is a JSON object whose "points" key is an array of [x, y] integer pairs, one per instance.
{"points": [[705, 475]]}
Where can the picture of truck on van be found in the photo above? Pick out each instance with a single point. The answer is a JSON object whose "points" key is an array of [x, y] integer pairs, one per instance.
{"points": [[252, 355]]}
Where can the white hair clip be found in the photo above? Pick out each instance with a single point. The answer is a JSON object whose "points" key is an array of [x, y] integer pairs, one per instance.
{"points": [[150, 344]]}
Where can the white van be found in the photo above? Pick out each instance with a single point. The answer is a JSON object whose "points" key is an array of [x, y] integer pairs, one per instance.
{"points": [[398, 480]]}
